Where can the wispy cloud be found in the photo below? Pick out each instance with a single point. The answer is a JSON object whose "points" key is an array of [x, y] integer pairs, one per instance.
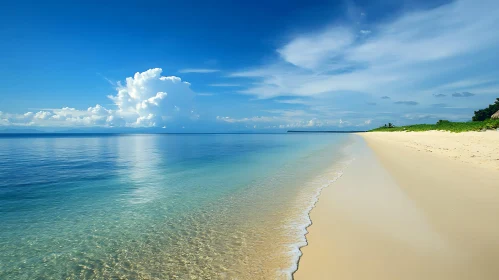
{"points": [[336, 60], [411, 103], [406, 61], [312, 50], [245, 120], [462, 94], [291, 101], [198, 70], [439, 95], [224, 85], [290, 122], [111, 82], [328, 73]]}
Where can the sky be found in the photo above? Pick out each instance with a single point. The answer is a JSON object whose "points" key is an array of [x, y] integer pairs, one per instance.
{"points": [[244, 66]]}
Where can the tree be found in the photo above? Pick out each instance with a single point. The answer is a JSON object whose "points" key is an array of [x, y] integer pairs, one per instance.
{"points": [[486, 113], [390, 125]]}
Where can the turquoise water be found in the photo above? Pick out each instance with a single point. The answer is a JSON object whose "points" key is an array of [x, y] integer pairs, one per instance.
{"points": [[201, 206]]}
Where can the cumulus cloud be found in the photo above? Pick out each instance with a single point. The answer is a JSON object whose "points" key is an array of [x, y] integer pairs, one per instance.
{"points": [[42, 115], [411, 103], [145, 100], [149, 99], [462, 94]]}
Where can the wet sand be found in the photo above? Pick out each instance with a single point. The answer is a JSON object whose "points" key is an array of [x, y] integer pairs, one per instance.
{"points": [[402, 212]]}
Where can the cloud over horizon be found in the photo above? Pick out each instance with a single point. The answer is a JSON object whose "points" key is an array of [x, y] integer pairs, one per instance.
{"points": [[146, 100], [356, 67]]}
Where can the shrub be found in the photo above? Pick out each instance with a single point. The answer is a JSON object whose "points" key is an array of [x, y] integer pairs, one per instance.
{"points": [[442, 122], [446, 125], [486, 113]]}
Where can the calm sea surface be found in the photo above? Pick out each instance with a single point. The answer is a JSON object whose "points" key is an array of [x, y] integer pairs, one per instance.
{"points": [[201, 206]]}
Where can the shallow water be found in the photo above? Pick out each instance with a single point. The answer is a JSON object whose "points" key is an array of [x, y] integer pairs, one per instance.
{"points": [[231, 206]]}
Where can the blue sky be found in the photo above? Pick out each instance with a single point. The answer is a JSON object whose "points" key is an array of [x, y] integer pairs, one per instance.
{"points": [[226, 66]]}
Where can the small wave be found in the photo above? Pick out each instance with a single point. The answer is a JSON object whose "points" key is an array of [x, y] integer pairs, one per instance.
{"points": [[305, 220]]}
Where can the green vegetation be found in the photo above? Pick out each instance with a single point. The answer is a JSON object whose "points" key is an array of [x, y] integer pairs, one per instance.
{"points": [[445, 125], [486, 113], [481, 121]]}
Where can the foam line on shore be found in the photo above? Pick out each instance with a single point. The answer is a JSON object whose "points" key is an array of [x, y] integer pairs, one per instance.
{"points": [[296, 248]]}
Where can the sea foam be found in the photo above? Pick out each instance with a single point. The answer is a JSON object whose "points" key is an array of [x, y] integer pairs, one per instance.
{"points": [[300, 226]]}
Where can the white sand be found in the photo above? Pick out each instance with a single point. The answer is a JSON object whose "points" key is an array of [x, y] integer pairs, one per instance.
{"points": [[477, 148], [403, 212]]}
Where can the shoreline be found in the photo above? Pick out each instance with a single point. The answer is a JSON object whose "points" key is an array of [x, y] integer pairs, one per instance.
{"points": [[330, 176], [297, 248], [408, 216]]}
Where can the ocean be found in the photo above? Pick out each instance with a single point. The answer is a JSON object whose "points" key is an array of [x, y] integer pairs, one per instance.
{"points": [[161, 206]]}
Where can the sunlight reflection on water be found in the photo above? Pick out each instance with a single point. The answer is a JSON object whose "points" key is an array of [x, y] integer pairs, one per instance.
{"points": [[158, 206]]}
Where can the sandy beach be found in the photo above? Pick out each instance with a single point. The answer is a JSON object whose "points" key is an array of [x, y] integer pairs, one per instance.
{"points": [[420, 205]]}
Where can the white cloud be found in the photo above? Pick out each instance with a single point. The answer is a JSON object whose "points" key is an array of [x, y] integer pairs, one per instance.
{"points": [[224, 85], [42, 115], [463, 94], [465, 84], [288, 119], [291, 101], [198, 70], [147, 99], [243, 120], [311, 51], [403, 58]]}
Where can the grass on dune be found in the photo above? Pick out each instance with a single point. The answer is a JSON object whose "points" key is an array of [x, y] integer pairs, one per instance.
{"points": [[446, 126]]}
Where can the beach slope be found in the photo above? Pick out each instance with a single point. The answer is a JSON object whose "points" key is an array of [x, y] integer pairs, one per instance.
{"points": [[411, 206]]}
